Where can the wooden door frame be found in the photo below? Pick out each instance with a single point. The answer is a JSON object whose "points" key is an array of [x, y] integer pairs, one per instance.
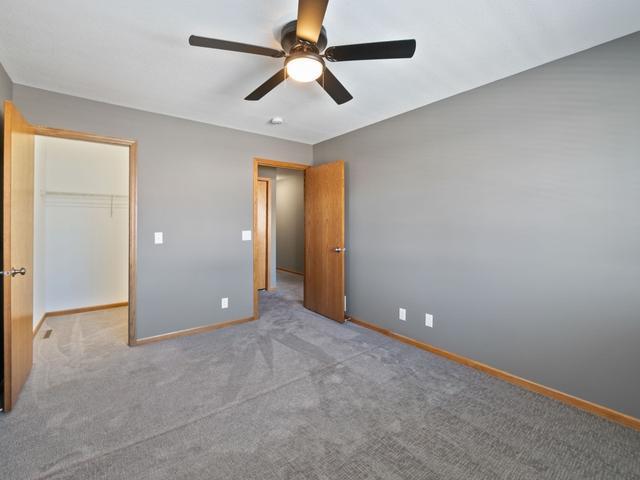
{"points": [[269, 182], [264, 162], [133, 205]]}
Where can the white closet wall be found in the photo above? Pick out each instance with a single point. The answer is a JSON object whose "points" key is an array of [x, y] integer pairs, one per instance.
{"points": [[81, 231]]}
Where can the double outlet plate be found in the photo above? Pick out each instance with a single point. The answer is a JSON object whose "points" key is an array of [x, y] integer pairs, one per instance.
{"points": [[428, 318]]}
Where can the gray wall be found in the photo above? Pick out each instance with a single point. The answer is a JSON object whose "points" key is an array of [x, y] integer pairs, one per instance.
{"points": [[271, 172], [510, 212], [6, 92], [195, 185], [290, 220]]}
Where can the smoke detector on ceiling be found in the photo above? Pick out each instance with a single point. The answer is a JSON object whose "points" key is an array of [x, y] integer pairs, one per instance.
{"points": [[276, 121]]}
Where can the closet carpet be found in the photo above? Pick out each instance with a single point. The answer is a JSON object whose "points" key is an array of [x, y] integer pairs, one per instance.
{"points": [[291, 396]]}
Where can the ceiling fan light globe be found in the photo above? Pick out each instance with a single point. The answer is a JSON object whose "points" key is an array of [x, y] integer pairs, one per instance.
{"points": [[304, 69]]}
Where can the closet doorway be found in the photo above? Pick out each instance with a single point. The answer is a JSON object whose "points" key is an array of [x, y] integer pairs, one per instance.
{"points": [[81, 237]]}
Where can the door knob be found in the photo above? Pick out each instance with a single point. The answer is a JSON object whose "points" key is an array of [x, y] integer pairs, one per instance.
{"points": [[15, 271], [338, 249]]}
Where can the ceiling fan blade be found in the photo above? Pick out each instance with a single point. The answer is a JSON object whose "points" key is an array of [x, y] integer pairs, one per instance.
{"points": [[310, 17], [196, 41], [267, 86], [333, 87], [371, 51]]}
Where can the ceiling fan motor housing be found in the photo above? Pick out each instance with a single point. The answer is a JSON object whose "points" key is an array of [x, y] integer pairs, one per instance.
{"points": [[304, 50], [289, 40]]}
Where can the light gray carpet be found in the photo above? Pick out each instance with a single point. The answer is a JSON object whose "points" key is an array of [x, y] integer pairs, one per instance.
{"points": [[291, 396]]}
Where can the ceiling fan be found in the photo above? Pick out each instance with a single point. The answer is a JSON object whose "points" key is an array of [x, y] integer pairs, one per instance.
{"points": [[303, 42]]}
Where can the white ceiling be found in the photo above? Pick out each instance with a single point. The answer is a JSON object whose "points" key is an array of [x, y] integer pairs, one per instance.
{"points": [[135, 53]]}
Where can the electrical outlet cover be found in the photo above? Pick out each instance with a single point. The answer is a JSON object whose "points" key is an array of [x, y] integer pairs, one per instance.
{"points": [[428, 320]]}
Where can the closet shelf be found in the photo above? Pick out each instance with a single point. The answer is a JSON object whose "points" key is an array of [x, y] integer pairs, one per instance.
{"points": [[108, 201], [83, 194]]}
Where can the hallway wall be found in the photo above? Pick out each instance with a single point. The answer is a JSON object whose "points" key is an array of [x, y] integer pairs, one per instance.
{"points": [[287, 220], [290, 219]]}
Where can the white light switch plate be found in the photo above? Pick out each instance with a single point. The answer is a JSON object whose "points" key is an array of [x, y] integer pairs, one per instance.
{"points": [[428, 320], [158, 238], [246, 235], [402, 314], [224, 303]]}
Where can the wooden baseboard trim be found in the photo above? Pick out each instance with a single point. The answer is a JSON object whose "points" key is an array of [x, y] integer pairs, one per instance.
{"points": [[289, 271], [585, 405], [191, 331], [72, 311], [39, 325]]}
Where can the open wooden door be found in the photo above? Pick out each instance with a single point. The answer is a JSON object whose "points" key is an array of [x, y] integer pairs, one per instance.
{"points": [[263, 220], [324, 240], [17, 251]]}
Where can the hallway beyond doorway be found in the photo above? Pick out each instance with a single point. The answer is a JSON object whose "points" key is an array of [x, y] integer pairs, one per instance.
{"points": [[290, 286]]}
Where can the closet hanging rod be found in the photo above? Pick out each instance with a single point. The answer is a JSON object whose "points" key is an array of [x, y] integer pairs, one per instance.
{"points": [[81, 194]]}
